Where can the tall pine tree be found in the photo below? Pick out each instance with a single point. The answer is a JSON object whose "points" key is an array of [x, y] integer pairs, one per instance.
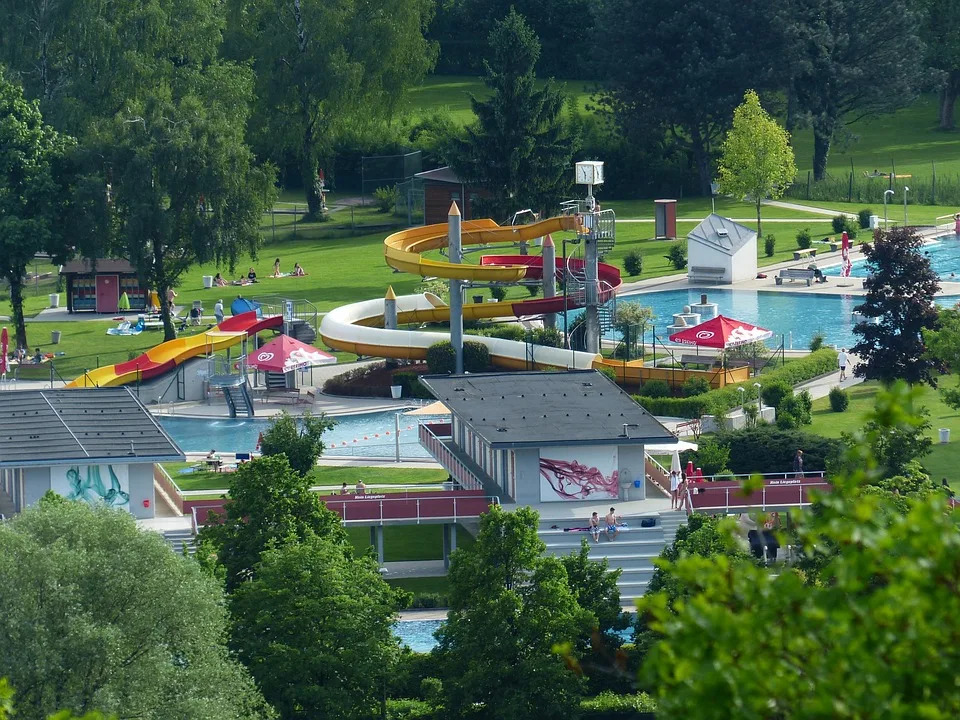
{"points": [[519, 148]]}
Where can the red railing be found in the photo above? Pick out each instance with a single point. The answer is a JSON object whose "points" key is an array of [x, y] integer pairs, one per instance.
{"points": [[781, 490]]}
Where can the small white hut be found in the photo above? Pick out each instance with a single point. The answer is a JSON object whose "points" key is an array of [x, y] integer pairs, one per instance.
{"points": [[720, 250]]}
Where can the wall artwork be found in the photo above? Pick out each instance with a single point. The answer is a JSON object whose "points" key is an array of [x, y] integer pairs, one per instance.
{"points": [[577, 474], [108, 484]]}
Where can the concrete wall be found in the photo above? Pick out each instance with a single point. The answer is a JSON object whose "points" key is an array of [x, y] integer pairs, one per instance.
{"points": [[742, 265], [631, 466], [36, 481], [527, 464]]}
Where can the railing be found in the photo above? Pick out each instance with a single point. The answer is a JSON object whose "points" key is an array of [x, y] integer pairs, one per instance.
{"points": [[162, 478], [657, 474], [443, 455], [779, 490]]}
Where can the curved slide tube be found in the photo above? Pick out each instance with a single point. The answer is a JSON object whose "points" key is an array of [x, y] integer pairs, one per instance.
{"points": [[166, 356], [358, 327]]}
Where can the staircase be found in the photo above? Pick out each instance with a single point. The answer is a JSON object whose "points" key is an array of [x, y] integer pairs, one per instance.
{"points": [[238, 400], [180, 539], [302, 330], [606, 232], [633, 551], [275, 381]]}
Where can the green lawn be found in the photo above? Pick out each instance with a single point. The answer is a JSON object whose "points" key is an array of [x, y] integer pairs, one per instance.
{"points": [[422, 585], [700, 207], [321, 475], [942, 460], [916, 214], [409, 542]]}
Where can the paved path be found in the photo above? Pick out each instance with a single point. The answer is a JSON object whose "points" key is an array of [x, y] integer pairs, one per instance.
{"points": [[806, 208], [740, 220]]}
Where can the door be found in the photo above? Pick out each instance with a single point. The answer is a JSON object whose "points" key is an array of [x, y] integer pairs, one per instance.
{"points": [[108, 293]]}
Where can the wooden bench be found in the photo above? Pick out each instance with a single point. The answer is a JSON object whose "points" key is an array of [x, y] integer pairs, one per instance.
{"points": [[806, 252], [705, 273], [792, 274], [707, 360]]}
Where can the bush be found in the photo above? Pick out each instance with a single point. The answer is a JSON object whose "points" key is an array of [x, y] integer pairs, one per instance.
{"points": [[695, 386], [711, 456], [769, 449], [655, 389], [770, 244], [608, 372], [633, 263], [839, 399], [774, 393], [505, 332], [839, 223], [816, 342], [386, 198], [428, 601], [786, 421], [476, 357], [533, 290], [548, 337], [677, 256], [498, 293], [441, 358], [612, 705], [863, 217], [412, 387], [798, 407], [804, 240], [409, 709], [409, 672]]}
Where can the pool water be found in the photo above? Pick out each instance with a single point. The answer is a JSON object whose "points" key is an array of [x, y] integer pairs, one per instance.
{"points": [[228, 435], [784, 313], [944, 256], [418, 634]]}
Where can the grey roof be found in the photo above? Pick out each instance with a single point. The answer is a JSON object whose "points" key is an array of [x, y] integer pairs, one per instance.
{"points": [[442, 175], [537, 409], [82, 266], [710, 232], [61, 427]]}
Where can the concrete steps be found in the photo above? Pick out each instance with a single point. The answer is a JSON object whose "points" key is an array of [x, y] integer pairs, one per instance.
{"points": [[180, 539]]}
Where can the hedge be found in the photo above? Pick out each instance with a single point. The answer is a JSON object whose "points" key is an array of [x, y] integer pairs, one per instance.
{"points": [[612, 705], [767, 449], [793, 373]]}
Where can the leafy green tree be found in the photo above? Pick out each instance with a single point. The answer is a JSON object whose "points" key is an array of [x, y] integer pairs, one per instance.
{"points": [[325, 68], [270, 504], [853, 640], [300, 439], [680, 69], [509, 607], [34, 190], [756, 159], [632, 320], [315, 627], [842, 74], [943, 347], [898, 307], [518, 148], [97, 614], [940, 32]]}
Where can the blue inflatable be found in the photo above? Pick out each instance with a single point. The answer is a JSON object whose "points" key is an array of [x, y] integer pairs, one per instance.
{"points": [[242, 305]]}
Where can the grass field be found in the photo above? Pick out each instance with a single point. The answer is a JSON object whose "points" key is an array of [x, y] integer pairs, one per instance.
{"points": [[419, 586], [409, 542], [942, 460]]}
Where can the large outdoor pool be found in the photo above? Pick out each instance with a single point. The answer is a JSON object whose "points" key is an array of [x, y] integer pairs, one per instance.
{"points": [[801, 314], [418, 634], [364, 435], [944, 256]]}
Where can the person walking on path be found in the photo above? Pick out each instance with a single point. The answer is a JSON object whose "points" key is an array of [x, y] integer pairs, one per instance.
{"points": [[218, 311], [798, 464], [842, 360], [674, 490]]}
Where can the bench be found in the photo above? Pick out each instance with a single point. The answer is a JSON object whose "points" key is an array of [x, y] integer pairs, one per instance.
{"points": [[705, 273], [792, 274], [801, 254], [707, 360]]}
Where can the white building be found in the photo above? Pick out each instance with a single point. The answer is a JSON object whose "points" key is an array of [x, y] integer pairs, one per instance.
{"points": [[720, 250]]}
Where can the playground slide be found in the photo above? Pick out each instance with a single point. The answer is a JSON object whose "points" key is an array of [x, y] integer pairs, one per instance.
{"points": [[166, 356], [358, 327]]}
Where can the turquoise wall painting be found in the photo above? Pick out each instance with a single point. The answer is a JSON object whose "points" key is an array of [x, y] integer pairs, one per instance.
{"points": [[107, 484]]}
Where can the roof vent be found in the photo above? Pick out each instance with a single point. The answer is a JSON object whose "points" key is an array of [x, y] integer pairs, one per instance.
{"points": [[459, 389], [722, 232], [501, 429], [587, 384]]}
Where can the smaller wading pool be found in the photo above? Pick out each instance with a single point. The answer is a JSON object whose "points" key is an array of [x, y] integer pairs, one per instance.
{"points": [[364, 435]]}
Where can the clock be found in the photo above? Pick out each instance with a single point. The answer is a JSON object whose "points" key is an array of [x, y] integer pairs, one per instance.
{"points": [[589, 172]]}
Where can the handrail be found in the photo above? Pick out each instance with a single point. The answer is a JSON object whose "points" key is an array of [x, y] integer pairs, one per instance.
{"points": [[420, 516], [781, 488], [443, 455]]}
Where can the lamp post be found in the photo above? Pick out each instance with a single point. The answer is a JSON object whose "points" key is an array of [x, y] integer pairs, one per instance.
{"points": [[886, 195], [759, 397], [741, 390], [905, 191]]}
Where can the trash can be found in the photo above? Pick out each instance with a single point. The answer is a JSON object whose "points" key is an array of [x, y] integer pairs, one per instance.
{"points": [[54, 300], [478, 298], [874, 222], [55, 340], [395, 391], [207, 282], [944, 435]]}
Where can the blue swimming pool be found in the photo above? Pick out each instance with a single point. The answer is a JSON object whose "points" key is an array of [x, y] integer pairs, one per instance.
{"points": [[801, 314], [418, 634], [944, 256], [352, 435]]}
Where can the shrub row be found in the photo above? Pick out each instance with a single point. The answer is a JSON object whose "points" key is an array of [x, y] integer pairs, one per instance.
{"points": [[722, 399], [769, 449], [612, 705]]}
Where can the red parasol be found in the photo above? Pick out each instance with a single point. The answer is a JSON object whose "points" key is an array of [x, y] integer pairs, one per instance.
{"points": [[721, 332], [4, 345], [285, 354]]}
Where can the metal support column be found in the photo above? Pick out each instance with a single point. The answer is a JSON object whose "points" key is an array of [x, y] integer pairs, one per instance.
{"points": [[449, 543], [456, 286], [590, 259], [549, 255], [376, 539]]}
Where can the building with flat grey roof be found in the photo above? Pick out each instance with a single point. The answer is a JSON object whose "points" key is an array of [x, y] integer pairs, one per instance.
{"points": [[94, 445], [541, 437]]}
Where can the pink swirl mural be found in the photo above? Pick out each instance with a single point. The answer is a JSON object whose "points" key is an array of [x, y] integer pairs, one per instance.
{"points": [[590, 474]]}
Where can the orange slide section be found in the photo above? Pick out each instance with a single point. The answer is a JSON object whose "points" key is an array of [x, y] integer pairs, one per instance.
{"points": [[168, 355]]}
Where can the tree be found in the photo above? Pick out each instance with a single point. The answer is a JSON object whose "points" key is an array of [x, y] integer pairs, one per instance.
{"points": [[842, 74], [632, 320], [315, 627], [898, 306], [943, 347], [509, 606], [323, 68], [186, 187], [852, 640], [756, 158], [34, 188], [518, 148], [97, 614], [681, 68], [269, 504], [300, 439], [940, 32]]}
